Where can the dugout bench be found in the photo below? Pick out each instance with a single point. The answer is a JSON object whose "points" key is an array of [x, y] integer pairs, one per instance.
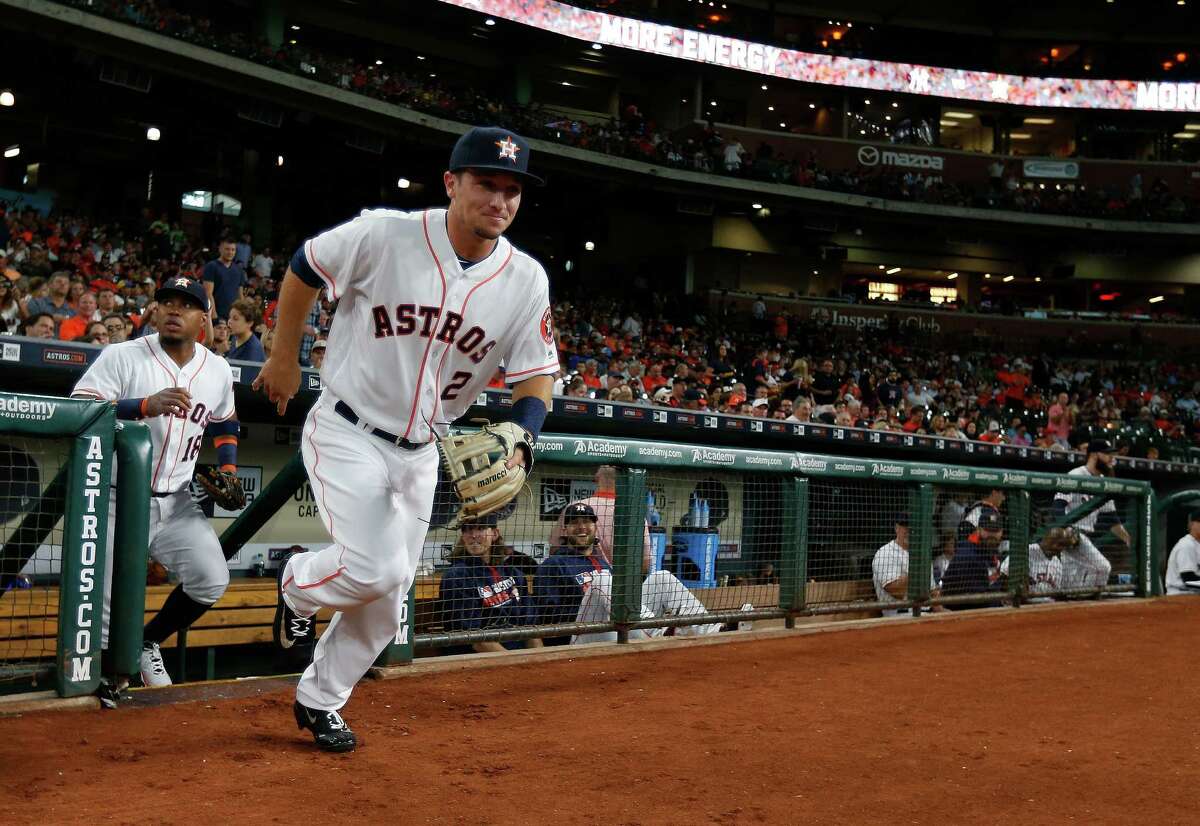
{"points": [[245, 613]]}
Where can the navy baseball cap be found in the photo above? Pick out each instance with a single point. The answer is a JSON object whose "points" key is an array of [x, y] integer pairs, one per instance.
{"points": [[902, 518], [1099, 446], [488, 147], [990, 521], [577, 510], [182, 285]]}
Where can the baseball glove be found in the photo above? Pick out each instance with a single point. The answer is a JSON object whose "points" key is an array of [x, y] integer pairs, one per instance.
{"points": [[476, 466], [223, 487]]}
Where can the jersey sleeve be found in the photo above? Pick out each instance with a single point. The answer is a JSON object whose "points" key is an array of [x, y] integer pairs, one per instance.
{"points": [[532, 351], [105, 380], [225, 410], [340, 256]]}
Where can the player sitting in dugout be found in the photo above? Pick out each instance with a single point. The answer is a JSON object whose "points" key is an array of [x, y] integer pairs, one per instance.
{"points": [[575, 585], [1045, 574], [485, 589], [976, 556]]}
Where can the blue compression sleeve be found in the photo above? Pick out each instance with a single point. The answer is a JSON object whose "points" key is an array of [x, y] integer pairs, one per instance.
{"points": [[529, 413]]}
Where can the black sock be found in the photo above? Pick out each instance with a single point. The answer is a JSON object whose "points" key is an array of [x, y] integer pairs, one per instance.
{"points": [[178, 612]]}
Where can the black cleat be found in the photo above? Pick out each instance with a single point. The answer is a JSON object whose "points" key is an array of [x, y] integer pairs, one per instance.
{"points": [[328, 728], [294, 634]]}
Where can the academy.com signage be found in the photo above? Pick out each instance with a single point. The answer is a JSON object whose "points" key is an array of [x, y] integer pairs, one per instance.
{"points": [[834, 70], [18, 407]]}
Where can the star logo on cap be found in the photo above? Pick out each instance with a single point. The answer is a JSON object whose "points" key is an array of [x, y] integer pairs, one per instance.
{"points": [[181, 282], [508, 148]]}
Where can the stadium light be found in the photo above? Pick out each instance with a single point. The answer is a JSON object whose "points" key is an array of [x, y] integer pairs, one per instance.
{"points": [[756, 206], [1037, 279], [958, 115], [764, 87], [1008, 278], [378, 62], [783, 126], [1157, 299], [1185, 135], [489, 22], [812, 106], [1020, 136], [883, 266], [1038, 121], [770, 108], [893, 271], [12, 151], [7, 98], [952, 276], [153, 133], [597, 46], [279, 160], [589, 245], [987, 275], [295, 28], [404, 183], [895, 104]]}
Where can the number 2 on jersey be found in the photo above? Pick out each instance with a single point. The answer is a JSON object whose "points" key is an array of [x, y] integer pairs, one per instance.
{"points": [[456, 384]]}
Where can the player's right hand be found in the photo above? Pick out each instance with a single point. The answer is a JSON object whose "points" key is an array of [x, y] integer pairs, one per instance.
{"points": [[280, 380], [174, 401]]}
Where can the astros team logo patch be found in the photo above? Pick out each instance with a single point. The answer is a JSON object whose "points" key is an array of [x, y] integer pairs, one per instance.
{"points": [[547, 327], [508, 148], [181, 282]]}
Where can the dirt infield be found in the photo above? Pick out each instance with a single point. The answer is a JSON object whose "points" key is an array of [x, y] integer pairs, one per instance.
{"points": [[1075, 715]]}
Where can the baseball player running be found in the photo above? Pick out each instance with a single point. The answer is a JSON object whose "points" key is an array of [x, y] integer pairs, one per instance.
{"points": [[431, 303], [182, 391], [1084, 566]]}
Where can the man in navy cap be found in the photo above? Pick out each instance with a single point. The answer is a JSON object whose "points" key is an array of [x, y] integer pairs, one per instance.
{"points": [[431, 303], [183, 393]]}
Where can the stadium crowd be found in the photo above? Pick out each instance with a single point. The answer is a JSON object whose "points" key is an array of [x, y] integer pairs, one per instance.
{"points": [[636, 136], [75, 279]]}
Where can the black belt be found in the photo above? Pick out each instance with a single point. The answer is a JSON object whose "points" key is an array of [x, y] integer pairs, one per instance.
{"points": [[346, 412], [163, 495]]}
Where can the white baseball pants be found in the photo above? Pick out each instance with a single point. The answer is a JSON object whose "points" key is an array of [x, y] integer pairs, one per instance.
{"points": [[1084, 566], [663, 595], [183, 542], [375, 500]]}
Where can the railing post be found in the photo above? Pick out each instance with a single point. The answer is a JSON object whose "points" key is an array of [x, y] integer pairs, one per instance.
{"points": [[629, 526], [1143, 524], [920, 553], [400, 649], [85, 533], [793, 562], [131, 546], [1018, 545]]}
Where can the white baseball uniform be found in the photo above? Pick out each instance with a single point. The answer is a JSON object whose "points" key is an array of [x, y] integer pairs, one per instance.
{"points": [[1084, 566], [889, 564], [181, 539], [415, 339], [1185, 556], [663, 595], [1074, 500], [1045, 573]]}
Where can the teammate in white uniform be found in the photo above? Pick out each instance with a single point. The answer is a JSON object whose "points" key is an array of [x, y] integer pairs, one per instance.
{"points": [[1085, 566], [182, 391], [430, 304], [1183, 565], [889, 569], [1045, 563]]}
